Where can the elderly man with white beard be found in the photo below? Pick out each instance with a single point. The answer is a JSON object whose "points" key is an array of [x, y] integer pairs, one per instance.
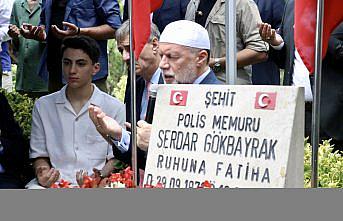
{"points": [[185, 52]]}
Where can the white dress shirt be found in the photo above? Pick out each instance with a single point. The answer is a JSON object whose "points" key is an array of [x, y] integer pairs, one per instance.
{"points": [[68, 139], [202, 77]]}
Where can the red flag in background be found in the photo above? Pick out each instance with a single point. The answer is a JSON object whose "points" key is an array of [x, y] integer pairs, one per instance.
{"points": [[141, 10], [305, 16]]}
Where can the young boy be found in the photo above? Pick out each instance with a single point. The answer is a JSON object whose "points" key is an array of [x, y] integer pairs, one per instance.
{"points": [[63, 138]]}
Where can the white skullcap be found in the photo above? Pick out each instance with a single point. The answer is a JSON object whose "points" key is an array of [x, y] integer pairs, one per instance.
{"points": [[186, 33]]}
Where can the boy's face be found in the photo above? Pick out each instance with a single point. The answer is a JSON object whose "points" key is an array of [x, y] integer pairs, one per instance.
{"points": [[78, 68]]}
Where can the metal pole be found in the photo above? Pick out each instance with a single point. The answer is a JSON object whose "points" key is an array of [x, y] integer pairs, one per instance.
{"points": [[317, 89], [230, 30], [133, 102]]}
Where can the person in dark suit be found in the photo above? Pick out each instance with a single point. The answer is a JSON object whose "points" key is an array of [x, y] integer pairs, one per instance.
{"points": [[284, 53], [170, 10], [184, 60], [185, 51], [268, 73], [14, 149], [148, 72], [332, 90], [284, 57]]}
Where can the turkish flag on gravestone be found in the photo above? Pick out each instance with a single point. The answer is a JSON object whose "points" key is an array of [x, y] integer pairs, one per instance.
{"points": [[141, 10], [305, 17]]}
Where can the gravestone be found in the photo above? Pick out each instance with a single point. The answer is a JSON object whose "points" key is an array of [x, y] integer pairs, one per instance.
{"points": [[232, 136]]}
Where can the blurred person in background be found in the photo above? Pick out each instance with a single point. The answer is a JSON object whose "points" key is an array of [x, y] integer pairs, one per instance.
{"points": [[250, 47], [97, 19], [268, 73], [14, 149], [5, 14], [28, 51], [170, 10], [285, 54], [7, 81], [184, 49]]}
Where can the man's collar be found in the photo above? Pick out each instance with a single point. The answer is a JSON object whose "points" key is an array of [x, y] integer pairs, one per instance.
{"points": [[62, 97], [156, 76], [202, 77], [95, 98]]}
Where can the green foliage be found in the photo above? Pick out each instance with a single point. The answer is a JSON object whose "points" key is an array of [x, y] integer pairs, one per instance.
{"points": [[330, 166], [14, 71], [116, 80], [119, 90], [22, 107]]}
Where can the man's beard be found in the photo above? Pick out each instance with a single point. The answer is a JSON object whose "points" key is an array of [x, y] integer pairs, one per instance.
{"points": [[187, 75]]}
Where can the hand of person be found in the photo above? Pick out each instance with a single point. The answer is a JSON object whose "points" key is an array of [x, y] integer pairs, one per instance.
{"points": [[33, 32], [93, 181], [104, 124], [13, 31], [80, 175], [47, 176], [71, 30], [96, 178], [269, 35], [143, 135]]}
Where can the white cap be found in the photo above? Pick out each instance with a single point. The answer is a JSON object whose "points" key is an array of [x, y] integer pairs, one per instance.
{"points": [[186, 33]]}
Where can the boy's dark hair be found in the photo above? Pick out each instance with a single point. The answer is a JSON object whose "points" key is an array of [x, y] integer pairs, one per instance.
{"points": [[84, 43]]}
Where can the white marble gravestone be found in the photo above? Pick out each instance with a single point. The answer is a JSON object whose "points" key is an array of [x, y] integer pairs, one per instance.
{"points": [[231, 136]]}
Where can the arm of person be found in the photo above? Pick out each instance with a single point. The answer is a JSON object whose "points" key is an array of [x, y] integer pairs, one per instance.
{"points": [[104, 124], [277, 50], [13, 29], [244, 57], [126, 157], [101, 32], [30, 31], [108, 12], [269, 35], [14, 32], [254, 49], [143, 135], [110, 128], [46, 176], [248, 56], [108, 168]]}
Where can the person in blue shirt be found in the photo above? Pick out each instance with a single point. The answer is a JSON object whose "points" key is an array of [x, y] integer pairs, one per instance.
{"points": [[97, 19], [6, 67]]}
